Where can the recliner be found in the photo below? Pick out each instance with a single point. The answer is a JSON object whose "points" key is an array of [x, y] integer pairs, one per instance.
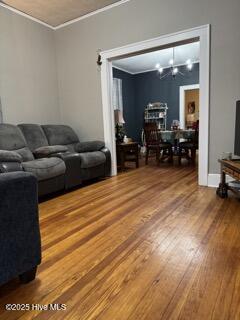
{"points": [[95, 157], [50, 172], [38, 143]]}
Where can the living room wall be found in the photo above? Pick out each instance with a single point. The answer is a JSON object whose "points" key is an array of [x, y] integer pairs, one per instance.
{"points": [[137, 20], [28, 73]]}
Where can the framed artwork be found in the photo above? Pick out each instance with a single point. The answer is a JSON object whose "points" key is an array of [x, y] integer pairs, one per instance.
{"points": [[191, 107]]}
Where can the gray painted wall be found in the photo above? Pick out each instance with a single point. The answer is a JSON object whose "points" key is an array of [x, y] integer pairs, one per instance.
{"points": [[28, 73], [136, 20]]}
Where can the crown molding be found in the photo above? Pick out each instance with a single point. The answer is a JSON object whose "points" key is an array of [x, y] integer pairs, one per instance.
{"points": [[122, 69], [152, 69], [116, 4], [25, 15], [65, 23]]}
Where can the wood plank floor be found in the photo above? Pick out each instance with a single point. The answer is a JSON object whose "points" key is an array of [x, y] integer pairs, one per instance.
{"points": [[147, 244]]}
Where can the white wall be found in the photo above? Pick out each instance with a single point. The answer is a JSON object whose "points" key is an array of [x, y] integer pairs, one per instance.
{"points": [[136, 20], [28, 73]]}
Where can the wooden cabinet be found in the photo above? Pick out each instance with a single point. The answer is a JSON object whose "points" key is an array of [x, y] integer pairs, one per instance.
{"points": [[127, 152]]}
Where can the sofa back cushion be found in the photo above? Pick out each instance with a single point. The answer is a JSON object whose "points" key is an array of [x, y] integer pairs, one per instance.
{"points": [[12, 139], [34, 136], [61, 135]]}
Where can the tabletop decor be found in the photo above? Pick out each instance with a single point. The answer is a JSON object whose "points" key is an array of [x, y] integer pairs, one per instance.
{"points": [[119, 125]]}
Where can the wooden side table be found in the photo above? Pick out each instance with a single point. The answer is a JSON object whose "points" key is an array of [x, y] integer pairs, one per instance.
{"points": [[231, 168], [127, 152]]}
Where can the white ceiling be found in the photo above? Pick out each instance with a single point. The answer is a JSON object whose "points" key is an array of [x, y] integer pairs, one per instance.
{"points": [[147, 61], [56, 12]]}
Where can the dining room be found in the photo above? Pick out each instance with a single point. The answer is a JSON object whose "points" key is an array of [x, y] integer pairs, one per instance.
{"points": [[156, 100]]}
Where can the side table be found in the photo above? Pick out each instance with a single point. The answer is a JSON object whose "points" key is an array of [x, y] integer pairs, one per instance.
{"points": [[127, 152]]}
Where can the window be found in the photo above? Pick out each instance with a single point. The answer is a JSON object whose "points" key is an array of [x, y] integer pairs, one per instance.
{"points": [[117, 94]]}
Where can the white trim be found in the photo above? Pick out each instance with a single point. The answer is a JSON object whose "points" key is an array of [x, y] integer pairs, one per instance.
{"points": [[214, 179], [65, 23], [108, 113], [91, 14], [153, 69], [121, 69], [203, 33], [182, 90], [149, 44], [25, 15]]}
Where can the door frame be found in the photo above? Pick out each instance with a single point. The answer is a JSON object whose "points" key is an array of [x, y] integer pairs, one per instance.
{"points": [[201, 34], [182, 90]]}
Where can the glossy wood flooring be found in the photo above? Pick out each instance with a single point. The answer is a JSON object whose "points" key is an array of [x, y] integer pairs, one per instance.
{"points": [[148, 244]]}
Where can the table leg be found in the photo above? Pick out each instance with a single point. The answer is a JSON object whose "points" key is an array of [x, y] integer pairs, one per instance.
{"points": [[137, 158], [222, 190], [122, 160]]}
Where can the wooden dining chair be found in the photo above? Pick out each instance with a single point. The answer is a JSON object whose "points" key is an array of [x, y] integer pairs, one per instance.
{"points": [[155, 143], [190, 146]]}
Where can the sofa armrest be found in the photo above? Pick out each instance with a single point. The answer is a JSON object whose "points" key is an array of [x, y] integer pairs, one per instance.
{"points": [[108, 163], [10, 156], [47, 151], [10, 167], [19, 225], [89, 146], [10, 161]]}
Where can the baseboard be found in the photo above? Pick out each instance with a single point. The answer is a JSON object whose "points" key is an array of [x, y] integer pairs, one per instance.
{"points": [[214, 179]]}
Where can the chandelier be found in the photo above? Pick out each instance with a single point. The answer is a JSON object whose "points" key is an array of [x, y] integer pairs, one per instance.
{"points": [[174, 70]]}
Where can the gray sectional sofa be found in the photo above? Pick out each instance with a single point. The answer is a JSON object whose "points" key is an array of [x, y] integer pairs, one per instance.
{"points": [[54, 154]]}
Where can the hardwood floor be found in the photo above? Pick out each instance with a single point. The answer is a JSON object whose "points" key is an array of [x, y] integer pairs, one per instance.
{"points": [[148, 244]]}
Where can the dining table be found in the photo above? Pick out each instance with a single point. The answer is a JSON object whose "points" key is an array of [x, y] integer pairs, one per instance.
{"points": [[176, 136]]}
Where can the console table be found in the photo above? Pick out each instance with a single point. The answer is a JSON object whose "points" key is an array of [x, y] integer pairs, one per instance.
{"points": [[127, 152], [231, 168]]}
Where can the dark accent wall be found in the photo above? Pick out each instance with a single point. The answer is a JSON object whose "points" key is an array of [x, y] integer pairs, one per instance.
{"points": [[140, 89]]}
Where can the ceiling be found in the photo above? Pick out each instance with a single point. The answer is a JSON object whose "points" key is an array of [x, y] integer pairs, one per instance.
{"points": [[147, 61], [56, 12]]}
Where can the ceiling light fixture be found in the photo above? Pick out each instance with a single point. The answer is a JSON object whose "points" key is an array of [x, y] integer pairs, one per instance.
{"points": [[174, 70]]}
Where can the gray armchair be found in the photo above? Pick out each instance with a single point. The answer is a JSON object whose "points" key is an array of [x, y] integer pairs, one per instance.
{"points": [[19, 227]]}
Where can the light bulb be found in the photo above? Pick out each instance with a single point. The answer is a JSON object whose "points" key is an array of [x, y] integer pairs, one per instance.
{"points": [[175, 70], [171, 62], [190, 66], [188, 61], [157, 66], [160, 70]]}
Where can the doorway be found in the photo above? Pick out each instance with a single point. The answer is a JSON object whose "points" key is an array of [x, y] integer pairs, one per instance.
{"points": [[187, 95], [203, 35]]}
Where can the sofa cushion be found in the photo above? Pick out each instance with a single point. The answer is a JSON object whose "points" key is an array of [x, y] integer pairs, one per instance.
{"points": [[48, 150], [34, 135], [92, 159], [9, 156], [45, 168], [60, 135], [89, 146], [12, 139]]}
